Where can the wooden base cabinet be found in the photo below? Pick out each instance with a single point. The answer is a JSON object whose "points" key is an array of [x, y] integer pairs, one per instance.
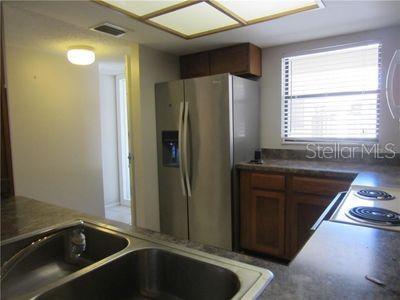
{"points": [[267, 222], [262, 216], [302, 212], [307, 197], [278, 210]]}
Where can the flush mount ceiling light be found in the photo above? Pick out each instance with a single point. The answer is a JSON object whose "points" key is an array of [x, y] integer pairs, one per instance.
{"points": [[81, 55], [194, 18]]}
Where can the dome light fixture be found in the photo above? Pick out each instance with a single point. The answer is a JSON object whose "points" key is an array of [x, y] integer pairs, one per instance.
{"points": [[81, 55]]}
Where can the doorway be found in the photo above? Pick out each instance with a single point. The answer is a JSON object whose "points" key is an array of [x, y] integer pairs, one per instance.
{"points": [[115, 143], [124, 155]]}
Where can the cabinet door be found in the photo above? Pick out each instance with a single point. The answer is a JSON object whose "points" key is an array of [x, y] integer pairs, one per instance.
{"points": [[303, 210], [243, 59], [267, 222], [229, 60], [195, 65], [245, 209]]}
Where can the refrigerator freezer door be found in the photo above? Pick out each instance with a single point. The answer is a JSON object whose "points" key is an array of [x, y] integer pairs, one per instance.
{"points": [[210, 159], [172, 199]]}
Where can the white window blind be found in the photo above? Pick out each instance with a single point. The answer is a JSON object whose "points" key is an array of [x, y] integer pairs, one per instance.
{"points": [[332, 95]]}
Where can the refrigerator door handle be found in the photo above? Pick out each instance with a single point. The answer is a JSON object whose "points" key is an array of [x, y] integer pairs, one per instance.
{"points": [[181, 171], [185, 148], [393, 106]]}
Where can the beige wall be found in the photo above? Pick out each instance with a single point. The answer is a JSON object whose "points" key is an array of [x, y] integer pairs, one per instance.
{"points": [[271, 84], [55, 111], [55, 130], [57, 136], [152, 66], [58, 141]]}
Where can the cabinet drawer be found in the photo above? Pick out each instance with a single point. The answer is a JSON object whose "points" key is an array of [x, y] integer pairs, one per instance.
{"points": [[318, 186], [267, 181]]}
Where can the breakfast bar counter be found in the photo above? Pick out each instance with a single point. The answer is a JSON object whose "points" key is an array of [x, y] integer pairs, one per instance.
{"points": [[331, 265]]}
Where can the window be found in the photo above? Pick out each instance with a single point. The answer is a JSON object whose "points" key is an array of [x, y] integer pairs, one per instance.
{"points": [[332, 95]]}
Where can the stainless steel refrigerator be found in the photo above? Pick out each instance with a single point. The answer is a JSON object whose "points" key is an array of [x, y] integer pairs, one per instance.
{"points": [[204, 126]]}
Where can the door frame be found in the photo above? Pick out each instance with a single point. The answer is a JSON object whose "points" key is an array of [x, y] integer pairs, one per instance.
{"points": [[122, 201], [131, 75]]}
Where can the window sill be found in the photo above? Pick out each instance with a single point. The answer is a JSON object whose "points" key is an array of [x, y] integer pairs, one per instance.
{"points": [[330, 142]]}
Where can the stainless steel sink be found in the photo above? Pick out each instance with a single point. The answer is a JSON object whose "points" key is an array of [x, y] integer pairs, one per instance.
{"points": [[122, 265], [151, 274], [47, 263]]}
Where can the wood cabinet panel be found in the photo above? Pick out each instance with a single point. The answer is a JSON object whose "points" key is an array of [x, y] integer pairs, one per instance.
{"points": [[303, 210], [233, 60], [195, 65], [255, 60], [277, 211], [245, 209], [262, 215], [267, 181], [242, 60], [318, 186], [268, 222]]}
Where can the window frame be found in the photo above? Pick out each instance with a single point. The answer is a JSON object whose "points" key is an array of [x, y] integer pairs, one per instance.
{"points": [[331, 141]]}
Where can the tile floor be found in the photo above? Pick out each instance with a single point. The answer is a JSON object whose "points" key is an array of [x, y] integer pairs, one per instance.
{"points": [[119, 213]]}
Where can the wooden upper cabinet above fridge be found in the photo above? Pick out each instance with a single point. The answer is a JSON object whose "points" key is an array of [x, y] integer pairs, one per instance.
{"points": [[243, 60], [195, 65]]}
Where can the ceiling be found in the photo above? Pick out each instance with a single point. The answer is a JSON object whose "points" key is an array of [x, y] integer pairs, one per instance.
{"points": [[338, 17], [27, 29], [176, 16]]}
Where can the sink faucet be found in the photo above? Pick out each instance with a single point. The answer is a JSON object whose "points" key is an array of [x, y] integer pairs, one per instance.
{"points": [[75, 245]]}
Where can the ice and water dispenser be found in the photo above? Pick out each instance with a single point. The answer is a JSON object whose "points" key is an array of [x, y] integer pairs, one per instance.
{"points": [[170, 145]]}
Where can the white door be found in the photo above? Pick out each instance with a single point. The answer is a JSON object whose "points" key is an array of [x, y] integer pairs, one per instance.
{"points": [[124, 156]]}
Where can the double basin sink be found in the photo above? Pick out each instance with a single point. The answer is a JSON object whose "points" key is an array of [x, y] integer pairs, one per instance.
{"points": [[119, 265]]}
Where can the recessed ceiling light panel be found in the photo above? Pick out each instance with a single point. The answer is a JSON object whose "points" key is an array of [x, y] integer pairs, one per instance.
{"points": [[258, 10], [195, 19], [143, 7]]}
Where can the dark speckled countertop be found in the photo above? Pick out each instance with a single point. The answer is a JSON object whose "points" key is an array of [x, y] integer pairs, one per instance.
{"points": [[373, 175], [332, 265]]}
